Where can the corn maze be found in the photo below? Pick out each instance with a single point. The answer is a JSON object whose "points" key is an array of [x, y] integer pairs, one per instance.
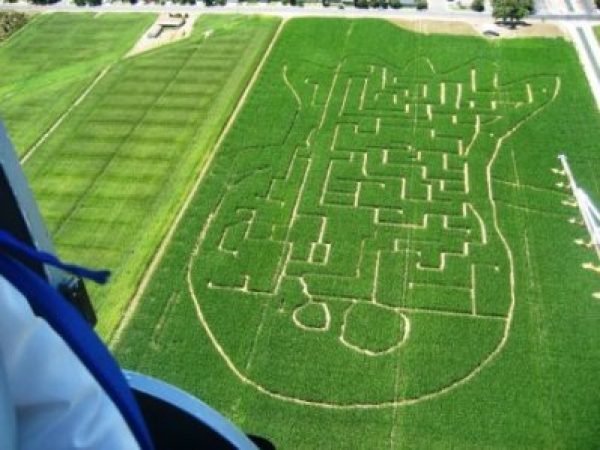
{"points": [[382, 252], [368, 235]]}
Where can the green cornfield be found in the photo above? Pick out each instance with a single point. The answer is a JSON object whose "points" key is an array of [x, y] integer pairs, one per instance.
{"points": [[382, 255]]}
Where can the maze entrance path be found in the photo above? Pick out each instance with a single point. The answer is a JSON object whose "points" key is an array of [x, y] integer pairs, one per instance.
{"points": [[358, 261]]}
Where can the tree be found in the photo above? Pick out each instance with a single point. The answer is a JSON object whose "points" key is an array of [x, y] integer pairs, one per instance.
{"points": [[511, 11], [10, 22], [477, 5]]}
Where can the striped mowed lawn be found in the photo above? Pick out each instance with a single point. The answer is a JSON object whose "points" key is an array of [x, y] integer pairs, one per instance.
{"points": [[52, 60], [110, 179]]}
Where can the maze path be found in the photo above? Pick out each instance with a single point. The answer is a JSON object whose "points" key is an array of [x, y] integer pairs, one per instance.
{"points": [[370, 233]]}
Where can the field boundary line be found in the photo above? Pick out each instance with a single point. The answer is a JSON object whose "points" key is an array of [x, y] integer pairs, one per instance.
{"points": [[158, 255], [64, 115]]}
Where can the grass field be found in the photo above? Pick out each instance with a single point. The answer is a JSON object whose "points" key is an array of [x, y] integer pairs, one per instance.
{"points": [[379, 255], [110, 178], [50, 62]]}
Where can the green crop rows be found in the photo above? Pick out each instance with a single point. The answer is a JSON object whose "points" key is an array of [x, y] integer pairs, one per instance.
{"points": [[50, 62], [379, 255], [110, 178]]}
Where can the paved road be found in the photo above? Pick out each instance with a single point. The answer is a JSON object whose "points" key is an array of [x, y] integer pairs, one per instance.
{"points": [[588, 49]]}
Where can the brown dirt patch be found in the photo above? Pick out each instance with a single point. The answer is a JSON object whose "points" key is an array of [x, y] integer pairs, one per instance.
{"points": [[533, 29], [436, 27]]}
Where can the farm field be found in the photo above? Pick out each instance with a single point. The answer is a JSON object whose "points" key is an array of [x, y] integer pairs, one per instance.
{"points": [[110, 179], [52, 61], [380, 256]]}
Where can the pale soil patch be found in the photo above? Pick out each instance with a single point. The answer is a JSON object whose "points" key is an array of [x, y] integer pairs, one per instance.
{"points": [[436, 26], [426, 26], [167, 35], [535, 29]]}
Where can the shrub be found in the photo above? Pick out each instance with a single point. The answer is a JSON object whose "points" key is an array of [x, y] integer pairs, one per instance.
{"points": [[478, 5], [421, 4], [11, 22], [88, 2], [395, 4]]}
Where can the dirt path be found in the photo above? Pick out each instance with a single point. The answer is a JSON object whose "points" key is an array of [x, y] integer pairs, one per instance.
{"points": [[158, 255], [29, 153]]}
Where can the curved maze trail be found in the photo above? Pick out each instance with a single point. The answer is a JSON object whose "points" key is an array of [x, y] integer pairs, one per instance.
{"points": [[360, 262]]}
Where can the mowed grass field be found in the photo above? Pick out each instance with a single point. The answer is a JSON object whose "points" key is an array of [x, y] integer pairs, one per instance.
{"points": [[50, 62], [380, 256], [110, 179]]}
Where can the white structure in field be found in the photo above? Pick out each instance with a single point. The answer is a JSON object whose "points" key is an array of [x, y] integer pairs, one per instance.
{"points": [[590, 214]]}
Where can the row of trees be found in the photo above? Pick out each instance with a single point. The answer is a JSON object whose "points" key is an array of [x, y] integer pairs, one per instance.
{"points": [[87, 2], [162, 2], [509, 11], [420, 4]]}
